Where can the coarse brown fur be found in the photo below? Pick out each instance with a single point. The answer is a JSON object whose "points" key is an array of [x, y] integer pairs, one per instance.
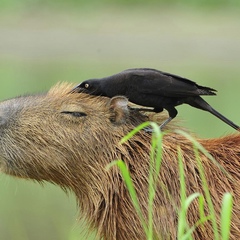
{"points": [[39, 141]]}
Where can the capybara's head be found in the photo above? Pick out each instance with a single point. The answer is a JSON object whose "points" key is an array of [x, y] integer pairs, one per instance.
{"points": [[68, 139], [45, 136]]}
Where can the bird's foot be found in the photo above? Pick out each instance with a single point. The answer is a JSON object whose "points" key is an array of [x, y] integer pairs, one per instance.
{"points": [[150, 130], [165, 123]]}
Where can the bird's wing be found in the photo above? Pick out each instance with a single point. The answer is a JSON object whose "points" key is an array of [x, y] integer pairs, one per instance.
{"points": [[169, 85]]}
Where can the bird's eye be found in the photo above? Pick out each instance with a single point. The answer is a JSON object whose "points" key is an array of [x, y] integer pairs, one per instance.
{"points": [[86, 85], [75, 114]]}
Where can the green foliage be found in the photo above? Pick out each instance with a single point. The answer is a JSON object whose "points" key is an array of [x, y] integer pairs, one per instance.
{"points": [[226, 214], [128, 181], [184, 232], [155, 164]]}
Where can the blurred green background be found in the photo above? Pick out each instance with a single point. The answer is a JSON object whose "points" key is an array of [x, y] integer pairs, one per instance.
{"points": [[43, 42]]}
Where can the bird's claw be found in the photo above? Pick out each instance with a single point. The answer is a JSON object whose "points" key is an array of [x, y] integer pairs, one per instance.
{"points": [[150, 130]]}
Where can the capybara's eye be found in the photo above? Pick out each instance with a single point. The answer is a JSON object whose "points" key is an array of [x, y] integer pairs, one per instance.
{"points": [[75, 114], [86, 85]]}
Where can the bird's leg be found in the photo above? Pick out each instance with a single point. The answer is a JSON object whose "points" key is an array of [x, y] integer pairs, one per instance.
{"points": [[149, 129], [165, 123], [156, 110], [172, 114]]}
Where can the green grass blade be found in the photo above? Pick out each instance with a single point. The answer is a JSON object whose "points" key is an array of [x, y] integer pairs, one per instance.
{"points": [[184, 232], [201, 206], [189, 199], [159, 149], [182, 211], [151, 189], [196, 147], [203, 150], [128, 181], [134, 131], [183, 229], [207, 194], [188, 234], [154, 168], [226, 214]]}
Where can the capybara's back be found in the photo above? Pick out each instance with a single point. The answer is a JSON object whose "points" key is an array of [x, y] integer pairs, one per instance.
{"points": [[69, 139]]}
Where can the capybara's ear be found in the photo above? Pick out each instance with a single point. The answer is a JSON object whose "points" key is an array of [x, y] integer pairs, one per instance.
{"points": [[119, 110]]}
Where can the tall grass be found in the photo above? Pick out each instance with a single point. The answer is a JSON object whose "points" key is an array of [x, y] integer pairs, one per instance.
{"points": [[184, 231]]}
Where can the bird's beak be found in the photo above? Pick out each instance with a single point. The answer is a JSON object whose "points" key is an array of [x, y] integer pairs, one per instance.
{"points": [[78, 89]]}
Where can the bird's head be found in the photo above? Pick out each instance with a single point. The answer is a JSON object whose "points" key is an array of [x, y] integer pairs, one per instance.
{"points": [[91, 86]]}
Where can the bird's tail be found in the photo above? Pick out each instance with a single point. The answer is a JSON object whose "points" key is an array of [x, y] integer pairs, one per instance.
{"points": [[224, 119], [206, 90], [202, 104]]}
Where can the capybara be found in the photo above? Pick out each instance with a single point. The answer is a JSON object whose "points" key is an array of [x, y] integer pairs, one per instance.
{"points": [[69, 139]]}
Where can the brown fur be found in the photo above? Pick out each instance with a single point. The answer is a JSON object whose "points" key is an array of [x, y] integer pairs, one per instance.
{"points": [[39, 142]]}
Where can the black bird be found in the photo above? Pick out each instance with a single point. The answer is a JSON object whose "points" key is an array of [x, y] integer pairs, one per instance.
{"points": [[153, 88]]}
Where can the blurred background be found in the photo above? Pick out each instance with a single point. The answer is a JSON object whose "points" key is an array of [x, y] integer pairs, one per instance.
{"points": [[43, 42]]}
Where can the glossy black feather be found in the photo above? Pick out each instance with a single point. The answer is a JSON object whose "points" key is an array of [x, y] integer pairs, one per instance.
{"points": [[153, 88]]}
